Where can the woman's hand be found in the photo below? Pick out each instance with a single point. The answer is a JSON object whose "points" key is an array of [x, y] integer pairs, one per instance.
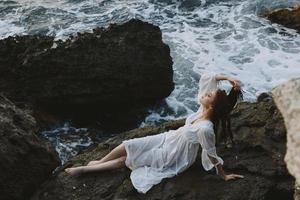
{"points": [[221, 172], [234, 82], [232, 176]]}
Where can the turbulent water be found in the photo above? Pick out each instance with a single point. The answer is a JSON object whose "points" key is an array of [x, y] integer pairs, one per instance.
{"points": [[225, 36], [68, 140]]}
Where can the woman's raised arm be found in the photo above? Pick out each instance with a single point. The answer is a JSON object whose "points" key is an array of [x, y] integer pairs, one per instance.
{"points": [[234, 82]]}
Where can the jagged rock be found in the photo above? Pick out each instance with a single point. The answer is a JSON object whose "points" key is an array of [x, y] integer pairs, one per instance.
{"points": [[289, 17], [110, 75], [297, 192], [287, 98], [260, 138], [25, 159]]}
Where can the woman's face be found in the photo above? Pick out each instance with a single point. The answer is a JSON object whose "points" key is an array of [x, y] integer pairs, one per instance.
{"points": [[208, 98]]}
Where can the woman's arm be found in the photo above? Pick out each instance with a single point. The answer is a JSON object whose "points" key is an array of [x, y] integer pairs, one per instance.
{"points": [[234, 82], [209, 155], [221, 172]]}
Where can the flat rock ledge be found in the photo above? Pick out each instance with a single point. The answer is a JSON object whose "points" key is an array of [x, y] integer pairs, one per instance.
{"points": [[260, 137]]}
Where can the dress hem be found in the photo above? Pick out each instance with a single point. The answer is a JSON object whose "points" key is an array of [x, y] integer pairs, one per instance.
{"points": [[127, 154]]}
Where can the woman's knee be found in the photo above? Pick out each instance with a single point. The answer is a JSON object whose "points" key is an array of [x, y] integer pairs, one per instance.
{"points": [[122, 158], [121, 149], [121, 161]]}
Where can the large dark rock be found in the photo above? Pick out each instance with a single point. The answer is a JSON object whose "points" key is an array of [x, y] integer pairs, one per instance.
{"points": [[25, 159], [286, 17], [260, 137], [110, 75]]}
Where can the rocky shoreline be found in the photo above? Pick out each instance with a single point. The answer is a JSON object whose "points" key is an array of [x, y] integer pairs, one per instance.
{"points": [[48, 80], [260, 138]]}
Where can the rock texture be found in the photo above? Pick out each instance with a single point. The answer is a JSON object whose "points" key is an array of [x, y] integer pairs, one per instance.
{"points": [[287, 98], [260, 137], [110, 75], [289, 17], [297, 192], [25, 159]]}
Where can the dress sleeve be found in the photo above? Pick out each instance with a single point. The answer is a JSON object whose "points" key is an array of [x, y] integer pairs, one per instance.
{"points": [[207, 82], [206, 137]]}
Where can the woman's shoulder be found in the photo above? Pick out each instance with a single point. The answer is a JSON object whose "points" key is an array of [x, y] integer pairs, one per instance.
{"points": [[207, 127], [207, 123], [204, 125]]}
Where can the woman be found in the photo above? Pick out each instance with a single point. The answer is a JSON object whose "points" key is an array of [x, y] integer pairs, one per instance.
{"points": [[155, 157]]}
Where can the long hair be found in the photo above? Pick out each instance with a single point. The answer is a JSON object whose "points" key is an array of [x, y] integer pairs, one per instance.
{"points": [[223, 104]]}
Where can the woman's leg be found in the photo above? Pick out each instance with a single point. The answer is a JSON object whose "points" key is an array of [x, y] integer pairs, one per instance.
{"points": [[117, 152], [111, 164]]}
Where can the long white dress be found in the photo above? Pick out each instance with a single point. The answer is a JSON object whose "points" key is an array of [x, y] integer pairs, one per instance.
{"points": [[164, 155]]}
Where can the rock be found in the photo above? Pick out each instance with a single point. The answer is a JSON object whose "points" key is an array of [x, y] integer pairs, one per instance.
{"points": [[289, 17], [260, 138], [25, 159], [263, 97], [287, 97], [111, 75], [297, 192]]}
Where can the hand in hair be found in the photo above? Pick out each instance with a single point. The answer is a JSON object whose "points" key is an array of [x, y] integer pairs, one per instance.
{"points": [[223, 112], [236, 84]]}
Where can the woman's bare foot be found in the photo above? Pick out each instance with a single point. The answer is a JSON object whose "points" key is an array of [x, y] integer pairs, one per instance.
{"points": [[94, 162], [74, 170]]}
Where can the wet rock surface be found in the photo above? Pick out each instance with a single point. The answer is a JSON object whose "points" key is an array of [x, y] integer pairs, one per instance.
{"points": [[25, 159], [289, 17], [110, 75], [260, 137]]}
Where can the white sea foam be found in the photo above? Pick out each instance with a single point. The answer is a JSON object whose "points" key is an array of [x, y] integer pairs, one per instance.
{"points": [[228, 38]]}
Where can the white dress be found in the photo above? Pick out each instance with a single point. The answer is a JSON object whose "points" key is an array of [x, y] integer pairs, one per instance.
{"points": [[164, 155]]}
